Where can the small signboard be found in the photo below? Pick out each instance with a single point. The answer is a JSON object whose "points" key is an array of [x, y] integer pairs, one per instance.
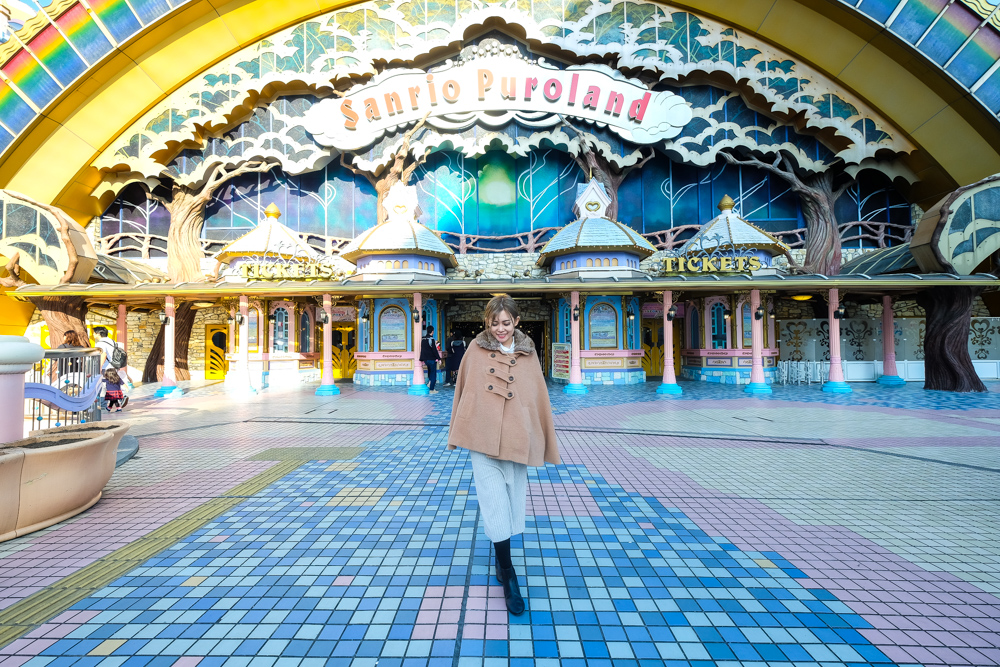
{"points": [[652, 310], [344, 314], [561, 358]]}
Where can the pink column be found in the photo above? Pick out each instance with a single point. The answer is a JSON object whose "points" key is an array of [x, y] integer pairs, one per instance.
{"points": [[231, 341], [836, 383], [243, 361], [122, 326], [418, 388], [17, 356], [168, 386], [327, 386], [758, 384], [669, 384], [890, 375], [238, 380], [575, 385]]}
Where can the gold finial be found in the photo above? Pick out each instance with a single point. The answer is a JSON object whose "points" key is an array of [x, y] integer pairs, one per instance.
{"points": [[726, 204], [272, 211]]}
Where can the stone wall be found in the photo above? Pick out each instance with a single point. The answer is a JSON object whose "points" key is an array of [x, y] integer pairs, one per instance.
{"points": [[472, 311], [142, 331], [496, 266], [196, 349]]}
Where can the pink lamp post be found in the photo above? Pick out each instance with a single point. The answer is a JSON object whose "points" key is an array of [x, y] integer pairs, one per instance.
{"points": [[890, 376], [669, 385], [327, 387], [758, 383], [835, 384], [418, 388], [168, 386]]}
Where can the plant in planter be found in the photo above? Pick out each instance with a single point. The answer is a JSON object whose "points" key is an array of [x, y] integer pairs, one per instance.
{"points": [[55, 474]]}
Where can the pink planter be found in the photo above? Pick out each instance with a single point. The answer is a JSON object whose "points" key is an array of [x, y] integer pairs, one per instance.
{"points": [[54, 475]]}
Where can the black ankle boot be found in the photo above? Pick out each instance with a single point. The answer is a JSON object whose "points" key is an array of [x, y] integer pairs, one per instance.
{"points": [[511, 591]]}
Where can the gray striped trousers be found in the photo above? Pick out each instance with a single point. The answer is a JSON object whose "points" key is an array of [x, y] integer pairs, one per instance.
{"points": [[502, 491]]}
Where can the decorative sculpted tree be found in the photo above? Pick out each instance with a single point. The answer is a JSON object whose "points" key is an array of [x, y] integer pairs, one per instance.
{"points": [[399, 170], [818, 196], [595, 163], [947, 364], [186, 206], [61, 313]]}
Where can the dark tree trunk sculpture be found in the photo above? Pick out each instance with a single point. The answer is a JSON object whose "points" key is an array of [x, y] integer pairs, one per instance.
{"points": [[187, 217], [62, 314], [947, 364], [400, 170], [183, 325], [817, 195], [594, 164]]}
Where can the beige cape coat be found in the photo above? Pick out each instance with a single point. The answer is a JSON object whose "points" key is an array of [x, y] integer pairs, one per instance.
{"points": [[501, 405]]}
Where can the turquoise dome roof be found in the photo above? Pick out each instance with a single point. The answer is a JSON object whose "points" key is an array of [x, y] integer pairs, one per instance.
{"points": [[596, 234], [398, 238]]}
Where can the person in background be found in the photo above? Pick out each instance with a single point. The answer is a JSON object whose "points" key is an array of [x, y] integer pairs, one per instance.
{"points": [[113, 390], [107, 348], [67, 369], [429, 355], [455, 347]]}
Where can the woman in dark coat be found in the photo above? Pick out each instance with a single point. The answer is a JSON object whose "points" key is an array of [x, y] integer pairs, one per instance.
{"points": [[455, 347]]}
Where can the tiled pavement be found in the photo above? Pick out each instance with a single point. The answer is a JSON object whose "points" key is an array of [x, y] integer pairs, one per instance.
{"points": [[713, 529]]}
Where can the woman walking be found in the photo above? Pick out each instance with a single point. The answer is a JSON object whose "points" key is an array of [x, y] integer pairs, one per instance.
{"points": [[501, 414]]}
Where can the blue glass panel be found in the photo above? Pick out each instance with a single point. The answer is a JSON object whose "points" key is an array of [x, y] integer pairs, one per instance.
{"points": [[916, 17], [948, 34], [879, 10], [977, 57]]}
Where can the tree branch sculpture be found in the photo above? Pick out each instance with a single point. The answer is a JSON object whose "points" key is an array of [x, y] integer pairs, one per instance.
{"points": [[400, 169], [818, 196], [594, 164], [187, 217]]}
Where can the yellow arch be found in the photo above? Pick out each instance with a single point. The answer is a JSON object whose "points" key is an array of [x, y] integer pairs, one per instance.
{"points": [[51, 161]]}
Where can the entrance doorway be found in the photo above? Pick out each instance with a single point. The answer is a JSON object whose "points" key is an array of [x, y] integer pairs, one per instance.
{"points": [[652, 345], [216, 336], [537, 330], [345, 344]]}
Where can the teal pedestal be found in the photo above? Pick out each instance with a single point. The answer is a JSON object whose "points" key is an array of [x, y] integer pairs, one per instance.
{"points": [[837, 388], [761, 388], [172, 391], [575, 389], [669, 389], [891, 380], [418, 390], [328, 390]]}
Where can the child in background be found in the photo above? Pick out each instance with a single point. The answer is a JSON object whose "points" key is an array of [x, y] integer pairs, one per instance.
{"points": [[112, 390]]}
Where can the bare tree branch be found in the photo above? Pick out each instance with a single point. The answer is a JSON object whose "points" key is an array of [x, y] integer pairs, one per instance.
{"points": [[13, 277]]}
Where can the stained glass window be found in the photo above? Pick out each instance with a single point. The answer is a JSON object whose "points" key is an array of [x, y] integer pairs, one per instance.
{"points": [[280, 341], [718, 327]]}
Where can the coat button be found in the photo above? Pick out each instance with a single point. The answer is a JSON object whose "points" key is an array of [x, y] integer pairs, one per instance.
{"points": [[493, 355], [492, 370], [513, 361], [511, 379], [510, 395], [490, 387]]}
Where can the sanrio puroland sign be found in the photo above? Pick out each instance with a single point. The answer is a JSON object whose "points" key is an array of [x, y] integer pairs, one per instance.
{"points": [[492, 91]]}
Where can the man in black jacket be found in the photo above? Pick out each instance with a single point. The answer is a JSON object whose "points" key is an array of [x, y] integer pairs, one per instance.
{"points": [[429, 355]]}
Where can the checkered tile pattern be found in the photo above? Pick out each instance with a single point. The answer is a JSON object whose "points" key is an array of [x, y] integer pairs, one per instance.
{"points": [[795, 529]]}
